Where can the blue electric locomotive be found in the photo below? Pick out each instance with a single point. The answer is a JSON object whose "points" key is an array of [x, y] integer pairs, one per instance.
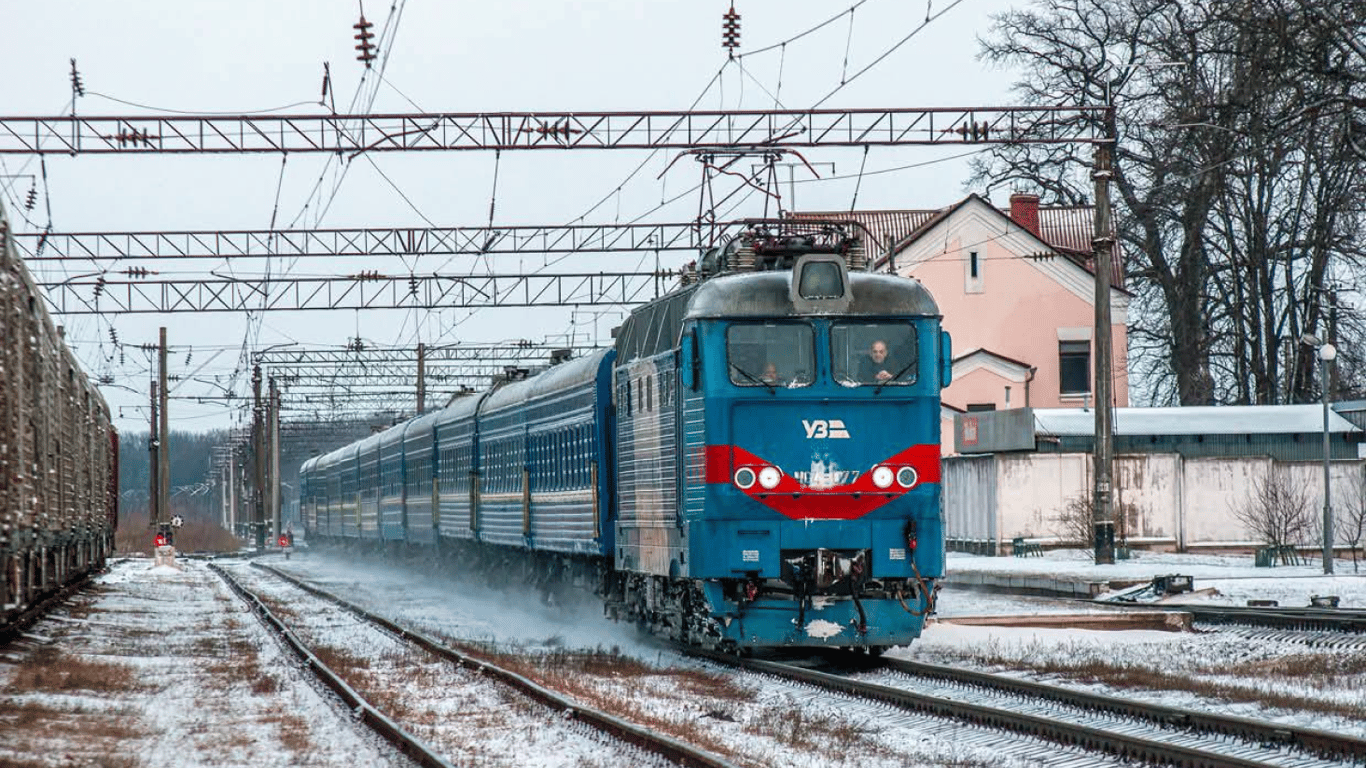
{"points": [[755, 463]]}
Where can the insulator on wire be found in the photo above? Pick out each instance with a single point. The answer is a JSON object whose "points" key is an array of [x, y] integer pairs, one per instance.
{"points": [[77, 87], [364, 35], [730, 30], [32, 198]]}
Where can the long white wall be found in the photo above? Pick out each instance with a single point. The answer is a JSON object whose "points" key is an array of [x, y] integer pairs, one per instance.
{"points": [[1174, 503]]}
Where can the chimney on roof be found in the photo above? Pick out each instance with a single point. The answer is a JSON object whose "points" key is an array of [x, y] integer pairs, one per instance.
{"points": [[1024, 210]]}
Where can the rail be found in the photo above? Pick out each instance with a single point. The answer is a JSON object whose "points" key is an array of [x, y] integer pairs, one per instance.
{"points": [[387, 729], [666, 747], [1321, 743], [1121, 745]]}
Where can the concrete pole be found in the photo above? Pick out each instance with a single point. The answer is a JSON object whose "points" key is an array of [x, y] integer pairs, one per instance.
{"points": [[274, 424], [231, 522], [1326, 354], [1103, 245], [259, 460], [153, 464], [421, 378], [164, 447]]}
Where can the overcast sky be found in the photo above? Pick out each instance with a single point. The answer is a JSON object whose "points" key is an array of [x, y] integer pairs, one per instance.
{"points": [[237, 56]]}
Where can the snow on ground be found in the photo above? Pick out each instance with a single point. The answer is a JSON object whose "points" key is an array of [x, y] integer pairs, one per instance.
{"points": [[1230, 670], [1233, 576], [752, 719], [161, 666], [462, 715]]}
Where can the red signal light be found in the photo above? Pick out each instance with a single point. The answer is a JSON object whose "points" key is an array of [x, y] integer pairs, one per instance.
{"points": [[159, 541], [284, 541]]}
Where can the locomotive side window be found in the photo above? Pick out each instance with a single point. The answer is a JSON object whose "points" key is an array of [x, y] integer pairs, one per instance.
{"points": [[770, 354], [874, 353]]}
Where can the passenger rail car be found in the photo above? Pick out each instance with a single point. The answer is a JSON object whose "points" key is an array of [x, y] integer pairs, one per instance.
{"points": [[755, 463]]}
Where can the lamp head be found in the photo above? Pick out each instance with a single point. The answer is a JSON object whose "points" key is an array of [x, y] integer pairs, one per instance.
{"points": [[1327, 352]]}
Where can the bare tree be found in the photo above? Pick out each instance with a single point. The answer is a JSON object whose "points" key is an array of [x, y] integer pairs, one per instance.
{"points": [[1351, 520], [1238, 178], [1075, 522], [1277, 510]]}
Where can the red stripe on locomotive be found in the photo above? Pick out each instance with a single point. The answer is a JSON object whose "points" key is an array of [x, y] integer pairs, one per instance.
{"points": [[849, 501]]}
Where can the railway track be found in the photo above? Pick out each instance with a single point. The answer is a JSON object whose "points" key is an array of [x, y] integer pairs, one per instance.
{"points": [[1127, 730], [15, 625], [1301, 619], [628, 735]]}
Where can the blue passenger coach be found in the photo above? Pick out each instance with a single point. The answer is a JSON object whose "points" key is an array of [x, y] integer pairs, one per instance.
{"points": [[754, 463]]}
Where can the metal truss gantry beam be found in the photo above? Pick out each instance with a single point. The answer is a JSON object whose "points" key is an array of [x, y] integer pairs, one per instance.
{"points": [[362, 291], [375, 358], [336, 377], [305, 243], [548, 130]]}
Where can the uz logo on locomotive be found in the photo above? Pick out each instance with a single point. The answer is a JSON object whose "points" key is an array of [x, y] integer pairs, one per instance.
{"points": [[821, 429]]}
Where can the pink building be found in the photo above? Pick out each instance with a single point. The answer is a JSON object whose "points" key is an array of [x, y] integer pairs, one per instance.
{"points": [[1017, 290]]}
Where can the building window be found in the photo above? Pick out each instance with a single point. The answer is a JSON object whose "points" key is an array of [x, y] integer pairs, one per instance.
{"points": [[976, 407], [972, 273], [1074, 367]]}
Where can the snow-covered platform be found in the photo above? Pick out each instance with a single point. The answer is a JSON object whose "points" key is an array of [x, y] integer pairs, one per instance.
{"points": [[1217, 579]]}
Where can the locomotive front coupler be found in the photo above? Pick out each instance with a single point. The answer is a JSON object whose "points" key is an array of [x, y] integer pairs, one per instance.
{"points": [[825, 571]]}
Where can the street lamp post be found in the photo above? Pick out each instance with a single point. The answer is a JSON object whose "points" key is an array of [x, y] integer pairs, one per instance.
{"points": [[1326, 353]]}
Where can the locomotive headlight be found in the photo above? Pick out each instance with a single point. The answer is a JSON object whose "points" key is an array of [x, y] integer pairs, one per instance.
{"points": [[906, 477], [882, 477], [744, 477], [769, 477]]}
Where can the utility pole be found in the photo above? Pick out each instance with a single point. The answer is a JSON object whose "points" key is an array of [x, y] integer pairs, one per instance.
{"points": [[153, 465], [421, 378], [163, 440], [273, 425], [231, 522], [1103, 244], [1326, 354], [258, 432]]}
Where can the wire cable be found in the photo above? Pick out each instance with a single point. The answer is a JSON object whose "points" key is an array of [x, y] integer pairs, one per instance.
{"points": [[266, 111], [850, 10]]}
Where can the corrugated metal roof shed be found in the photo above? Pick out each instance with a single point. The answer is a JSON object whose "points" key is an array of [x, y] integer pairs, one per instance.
{"points": [[1195, 420], [1283, 432]]}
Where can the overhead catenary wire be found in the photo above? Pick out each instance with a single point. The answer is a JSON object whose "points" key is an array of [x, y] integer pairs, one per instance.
{"points": [[170, 110], [850, 10]]}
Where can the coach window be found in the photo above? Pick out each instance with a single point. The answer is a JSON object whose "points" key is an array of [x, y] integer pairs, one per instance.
{"points": [[770, 354], [874, 353]]}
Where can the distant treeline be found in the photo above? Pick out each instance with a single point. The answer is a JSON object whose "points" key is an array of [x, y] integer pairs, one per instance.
{"points": [[191, 456]]}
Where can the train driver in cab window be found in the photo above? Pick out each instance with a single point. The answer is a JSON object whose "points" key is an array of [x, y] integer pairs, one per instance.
{"points": [[874, 353], [770, 374], [875, 367]]}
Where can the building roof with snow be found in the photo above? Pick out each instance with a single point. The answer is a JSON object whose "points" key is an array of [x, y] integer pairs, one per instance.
{"points": [[1284, 432]]}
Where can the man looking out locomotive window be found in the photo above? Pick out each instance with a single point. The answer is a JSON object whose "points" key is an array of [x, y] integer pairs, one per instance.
{"points": [[770, 374], [874, 367]]}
